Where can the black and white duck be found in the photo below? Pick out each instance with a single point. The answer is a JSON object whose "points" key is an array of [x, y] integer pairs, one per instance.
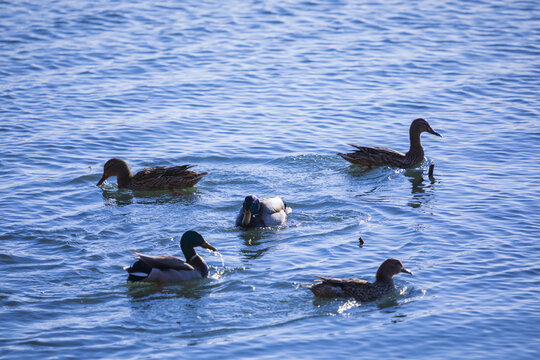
{"points": [[168, 269], [257, 212]]}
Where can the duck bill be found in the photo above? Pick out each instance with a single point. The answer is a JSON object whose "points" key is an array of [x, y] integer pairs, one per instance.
{"points": [[406, 271], [247, 218], [431, 131], [208, 246], [103, 178]]}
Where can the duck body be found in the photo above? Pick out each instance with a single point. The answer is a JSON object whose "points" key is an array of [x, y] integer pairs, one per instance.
{"points": [[359, 289], [376, 156], [169, 269], [262, 212], [157, 178], [164, 271]]}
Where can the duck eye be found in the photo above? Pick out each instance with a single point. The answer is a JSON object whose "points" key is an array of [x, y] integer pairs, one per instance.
{"points": [[255, 206]]}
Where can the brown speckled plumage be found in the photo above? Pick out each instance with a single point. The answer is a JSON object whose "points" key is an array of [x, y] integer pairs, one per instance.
{"points": [[359, 289], [159, 177], [376, 156]]}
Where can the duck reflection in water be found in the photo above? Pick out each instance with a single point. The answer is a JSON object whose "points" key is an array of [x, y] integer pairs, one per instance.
{"points": [[181, 303], [120, 198], [123, 197], [252, 239], [421, 192], [189, 289]]}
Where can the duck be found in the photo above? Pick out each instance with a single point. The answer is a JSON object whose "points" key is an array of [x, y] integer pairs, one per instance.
{"points": [[158, 177], [262, 212], [169, 269], [359, 289], [376, 156]]}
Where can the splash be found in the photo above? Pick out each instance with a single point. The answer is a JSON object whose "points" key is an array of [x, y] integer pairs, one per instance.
{"points": [[219, 272], [403, 291], [348, 305], [217, 253], [221, 257]]}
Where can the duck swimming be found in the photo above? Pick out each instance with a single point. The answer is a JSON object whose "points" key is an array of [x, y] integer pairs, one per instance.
{"points": [[376, 156], [159, 177], [361, 290], [168, 269], [262, 212]]}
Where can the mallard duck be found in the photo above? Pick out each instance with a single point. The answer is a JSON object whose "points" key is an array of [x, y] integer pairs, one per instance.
{"points": [[262, 212], [167, 269], [361, 290], [159, 177], [375, 156]]}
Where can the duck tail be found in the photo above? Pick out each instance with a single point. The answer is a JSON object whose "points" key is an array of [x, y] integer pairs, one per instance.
{"points": [[288, 210], [196, 178], [138, 271], [324, 288], [346, 157]]}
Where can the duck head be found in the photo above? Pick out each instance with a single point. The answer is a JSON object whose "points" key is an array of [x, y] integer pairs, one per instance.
{"points": [[189, 240], [115, 167], [389, 268], [250, 206], [418, 126]]}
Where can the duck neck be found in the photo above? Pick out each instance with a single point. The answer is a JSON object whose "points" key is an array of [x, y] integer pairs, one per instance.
{"points": [[188, 251], [384, 279], [198, 263], [124, 178], [415, 150]]}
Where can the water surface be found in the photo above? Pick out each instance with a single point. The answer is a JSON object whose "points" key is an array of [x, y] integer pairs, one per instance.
{"points": [[263, 95]]}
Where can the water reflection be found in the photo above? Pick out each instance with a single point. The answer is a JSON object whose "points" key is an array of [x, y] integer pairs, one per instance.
{"points": [[194, 289], [370, 175], [171, 305], [370, 179], [122, 197], [399, 318], [118, 197], [252, 238], [387, 303], [421, 192]]}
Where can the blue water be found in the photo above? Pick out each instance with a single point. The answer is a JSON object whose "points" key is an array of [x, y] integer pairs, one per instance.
{"points": [[263, 94]]}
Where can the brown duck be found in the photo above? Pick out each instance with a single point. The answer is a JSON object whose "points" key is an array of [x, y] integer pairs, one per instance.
{"points": [[361, 290], [159, 177], [375, 156]]}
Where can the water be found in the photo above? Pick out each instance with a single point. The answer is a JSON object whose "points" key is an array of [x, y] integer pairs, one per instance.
{"points": [[262, 95]]}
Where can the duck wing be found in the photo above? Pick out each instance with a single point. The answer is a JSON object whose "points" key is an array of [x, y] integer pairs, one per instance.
{"points": [[376, 150], [336, 287], [273, 211], [177, 170], [343, 282], [166, 177], [373, 156], [272, 205], [357, 288], [163, 262]]}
